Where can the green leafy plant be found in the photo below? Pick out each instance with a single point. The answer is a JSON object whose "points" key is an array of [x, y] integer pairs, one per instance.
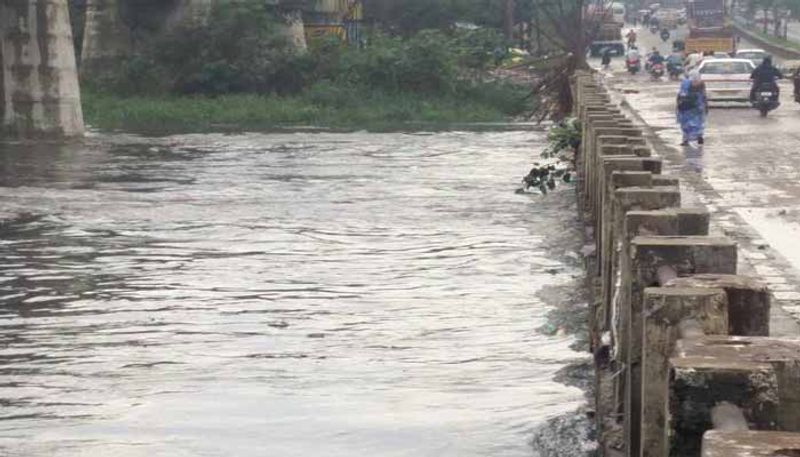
{"points": [[563, 139]]}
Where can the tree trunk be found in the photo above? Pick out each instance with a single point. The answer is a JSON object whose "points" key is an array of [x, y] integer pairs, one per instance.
{"points": [[537, 25], [509, 22]]}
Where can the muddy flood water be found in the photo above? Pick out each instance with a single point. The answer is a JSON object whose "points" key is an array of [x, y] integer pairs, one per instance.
{"points": [[290, 294]]}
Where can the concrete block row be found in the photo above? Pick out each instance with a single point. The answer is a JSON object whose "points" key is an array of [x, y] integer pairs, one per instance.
{"points": [[681, 341]]}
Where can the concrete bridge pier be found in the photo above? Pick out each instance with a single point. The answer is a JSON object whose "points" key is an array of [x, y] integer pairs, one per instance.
{"points": [[39, 80]]}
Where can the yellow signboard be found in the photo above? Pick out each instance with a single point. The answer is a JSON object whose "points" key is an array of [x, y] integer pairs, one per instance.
{"points": [[318, 32]]}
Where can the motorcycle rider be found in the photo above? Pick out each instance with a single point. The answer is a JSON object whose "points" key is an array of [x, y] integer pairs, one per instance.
{"points": [[605, 61], [655, 58], [633, 54], [631, 36], [674, 61], [693, 60], [655, 25], [765, 74], [632, 57]]}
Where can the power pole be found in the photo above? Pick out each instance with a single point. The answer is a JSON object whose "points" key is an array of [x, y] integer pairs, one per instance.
{"points": [[510, 6]]}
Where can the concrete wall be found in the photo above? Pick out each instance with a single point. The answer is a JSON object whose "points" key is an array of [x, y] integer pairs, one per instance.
{"points": [[678, 336], [105, 37], [40, 92]]}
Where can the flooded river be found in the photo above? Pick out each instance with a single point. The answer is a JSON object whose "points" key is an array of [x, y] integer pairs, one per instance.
{"points": [[291, 294]]}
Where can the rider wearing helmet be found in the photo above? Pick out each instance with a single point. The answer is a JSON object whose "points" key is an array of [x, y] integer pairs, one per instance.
{"points": [[656, 57], [765, 74]]}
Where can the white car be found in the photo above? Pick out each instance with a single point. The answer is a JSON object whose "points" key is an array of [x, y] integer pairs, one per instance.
{"points": [[726, 79], [753, 55]]}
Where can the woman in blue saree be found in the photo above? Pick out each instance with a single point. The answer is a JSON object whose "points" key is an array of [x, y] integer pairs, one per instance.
{"points": [[692, 108]]}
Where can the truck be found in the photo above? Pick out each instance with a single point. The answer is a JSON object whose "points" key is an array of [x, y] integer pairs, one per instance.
{"points": [[668, 18], [606, 29], [710, 29]]}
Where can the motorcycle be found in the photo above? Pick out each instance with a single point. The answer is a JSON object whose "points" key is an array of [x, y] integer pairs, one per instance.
{"points": [[657, 71], [633, 66], [765, 99], [664, 35], [675, 70]]}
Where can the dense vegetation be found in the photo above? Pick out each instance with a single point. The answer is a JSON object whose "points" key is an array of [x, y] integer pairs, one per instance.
{"points": [[242, 69]]}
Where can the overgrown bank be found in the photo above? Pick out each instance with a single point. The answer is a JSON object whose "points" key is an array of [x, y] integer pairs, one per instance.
{"points": [[241, 70], [325, 106]]}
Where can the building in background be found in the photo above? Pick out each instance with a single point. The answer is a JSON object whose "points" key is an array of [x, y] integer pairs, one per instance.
{"points": [[339, 18]]}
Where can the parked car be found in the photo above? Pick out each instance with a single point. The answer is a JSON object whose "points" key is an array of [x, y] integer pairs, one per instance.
{"points": [[753, 55], [726, 79]]}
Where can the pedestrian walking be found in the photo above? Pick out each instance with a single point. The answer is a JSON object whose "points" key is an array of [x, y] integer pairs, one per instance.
{"points": [[692, 108], [606, 60]]}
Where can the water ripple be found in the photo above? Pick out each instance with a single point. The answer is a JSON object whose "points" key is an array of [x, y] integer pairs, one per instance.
{"points": [[285, 294]]}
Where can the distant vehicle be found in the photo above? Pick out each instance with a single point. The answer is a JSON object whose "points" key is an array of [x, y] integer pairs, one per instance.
{"points": [[765, 99], [753, 55], [633, 65], [726, 80], [709, 27], [609, 31], [618, 12], [668, 18], [721, 55], [682, 16], [674, 70], [657, 71]]}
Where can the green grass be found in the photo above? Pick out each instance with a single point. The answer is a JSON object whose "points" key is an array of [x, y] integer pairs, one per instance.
{"points": [[323, 105]]}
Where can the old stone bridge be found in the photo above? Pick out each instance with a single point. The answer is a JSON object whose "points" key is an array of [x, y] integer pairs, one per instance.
{"points": [[39, 79]]}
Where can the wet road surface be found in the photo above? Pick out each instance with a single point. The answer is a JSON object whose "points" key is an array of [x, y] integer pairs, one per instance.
{"points": [[284, 295], [747, 173]]}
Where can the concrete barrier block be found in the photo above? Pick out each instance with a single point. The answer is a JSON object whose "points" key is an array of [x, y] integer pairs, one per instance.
{"points": [[604, 210], [594, 129], [686, 255], [748, 300], [590, 113], [617, 180], [611, 240], [597, 172], [750, 443], [663, 311], [757, 374], [666, 181], [613, 225], [616, 158]]}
